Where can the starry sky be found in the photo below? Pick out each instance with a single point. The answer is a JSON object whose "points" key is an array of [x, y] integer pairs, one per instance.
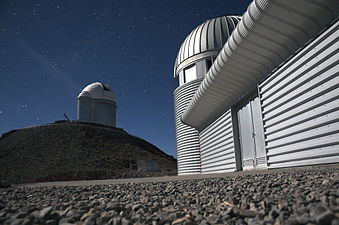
{"points": [[51, 49]]}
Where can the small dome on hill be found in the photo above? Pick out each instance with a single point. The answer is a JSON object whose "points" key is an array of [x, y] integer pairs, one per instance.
{"points": [[98, 90], [97, 104]]}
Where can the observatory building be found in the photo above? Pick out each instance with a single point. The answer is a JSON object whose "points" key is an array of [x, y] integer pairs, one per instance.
{"points": [[259, 91], [97, 104], [195, 57]]}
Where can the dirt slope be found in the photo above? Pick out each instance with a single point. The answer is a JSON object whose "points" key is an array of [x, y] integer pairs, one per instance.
{"points": [[75, 151]]}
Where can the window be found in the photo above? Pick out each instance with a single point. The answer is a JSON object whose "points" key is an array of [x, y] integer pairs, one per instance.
{"points": [[106, 87], [181, 78], [208, 63], [190, 73]]}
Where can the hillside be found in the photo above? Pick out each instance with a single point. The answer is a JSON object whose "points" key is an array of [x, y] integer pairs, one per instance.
{"points": [[75, 151]]}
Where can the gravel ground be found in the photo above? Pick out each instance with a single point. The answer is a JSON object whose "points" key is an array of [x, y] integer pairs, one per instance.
{"points": [[283, 197]]}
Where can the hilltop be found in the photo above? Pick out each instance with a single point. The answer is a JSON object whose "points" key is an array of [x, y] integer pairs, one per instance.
{"points": [[76, 151]]}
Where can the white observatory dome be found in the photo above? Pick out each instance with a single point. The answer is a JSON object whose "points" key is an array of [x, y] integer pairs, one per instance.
{"points": [[98, 90], [97, 104]]}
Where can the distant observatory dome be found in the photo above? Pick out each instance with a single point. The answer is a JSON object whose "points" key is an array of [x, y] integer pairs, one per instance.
{"points": [[97, 104]]}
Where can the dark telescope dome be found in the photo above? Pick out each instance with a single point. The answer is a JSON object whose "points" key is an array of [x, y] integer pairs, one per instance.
{"points": [[208, 38]]}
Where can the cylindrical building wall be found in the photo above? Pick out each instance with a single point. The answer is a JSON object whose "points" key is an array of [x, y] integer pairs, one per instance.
{"points": [[103, 112], [84, 109], [187, 138]]}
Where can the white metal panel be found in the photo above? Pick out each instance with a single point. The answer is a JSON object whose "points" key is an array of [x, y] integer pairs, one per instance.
{"points": [[217, 146], [300, 103], [260, 151], [251, 135], [246, 133]]}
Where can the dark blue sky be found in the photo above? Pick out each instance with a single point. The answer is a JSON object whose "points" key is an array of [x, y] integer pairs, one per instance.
{"points": [[50, 50]]}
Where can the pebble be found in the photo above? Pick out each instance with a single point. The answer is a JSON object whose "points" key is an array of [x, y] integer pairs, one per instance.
{"points": [[91, 220], [325, 218], [45, 212], [288, 197]]}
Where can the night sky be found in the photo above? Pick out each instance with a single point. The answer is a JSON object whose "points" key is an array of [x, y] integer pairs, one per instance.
{"points": [[50, 50]]}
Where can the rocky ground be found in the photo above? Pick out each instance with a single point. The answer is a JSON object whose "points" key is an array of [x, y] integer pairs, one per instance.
{"points": [[284, 197]]}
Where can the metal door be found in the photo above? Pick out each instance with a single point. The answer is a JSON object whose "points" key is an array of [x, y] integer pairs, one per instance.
{"points": [[251, 134]]}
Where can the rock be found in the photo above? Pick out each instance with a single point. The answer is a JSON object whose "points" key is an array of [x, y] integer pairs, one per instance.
{"points": [[248, 213], [203, 222], [51, 222], [316, 210], [324, 199], [303, 219], [179, 220], [21, 215], [114, 206], [137, 207], [125, 221], [326, 181], [91, 220], [244, 204], [91, 212], [213, 219], [335, 222], [325, 218], [141, 211], [273, 214], [45, 212], [255, 222], [16, 221], [240, 222], [115, 221], [63, 221]]}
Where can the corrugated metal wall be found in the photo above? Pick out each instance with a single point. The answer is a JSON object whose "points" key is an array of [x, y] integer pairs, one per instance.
{"points": [[300, 104], [217, 146], [188, 148]]}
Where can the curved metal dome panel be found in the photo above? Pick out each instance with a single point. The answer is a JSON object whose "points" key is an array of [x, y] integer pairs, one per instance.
{"points": [[208, 37], [98, 90]]}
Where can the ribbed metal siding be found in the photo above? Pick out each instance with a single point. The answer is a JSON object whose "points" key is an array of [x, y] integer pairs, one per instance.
{"points": [[188, 147], [301, 106], [217, 146]]}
